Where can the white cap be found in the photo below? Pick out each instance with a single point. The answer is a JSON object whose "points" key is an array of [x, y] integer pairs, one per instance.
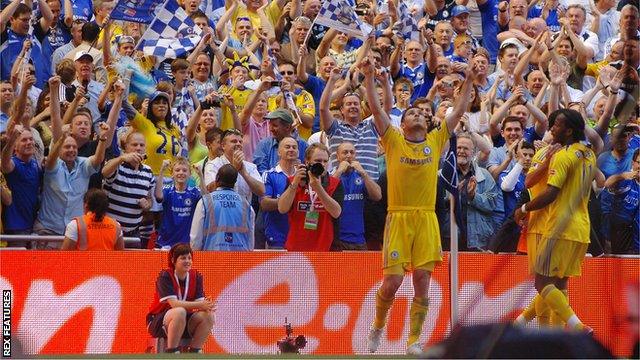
{"points": [[80, 54]]}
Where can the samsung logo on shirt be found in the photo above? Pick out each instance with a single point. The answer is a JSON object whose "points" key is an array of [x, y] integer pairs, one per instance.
{"points": [[348, 197]]}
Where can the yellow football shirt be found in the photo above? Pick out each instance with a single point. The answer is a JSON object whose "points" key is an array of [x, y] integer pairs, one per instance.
{"points": [[162, 143], [572, 170], [304, 103], [272, 12], [412, 169], [240, 98], [537, 223]]}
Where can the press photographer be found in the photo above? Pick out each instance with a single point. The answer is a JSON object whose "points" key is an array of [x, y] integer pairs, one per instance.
{"points": [[313, 201]]}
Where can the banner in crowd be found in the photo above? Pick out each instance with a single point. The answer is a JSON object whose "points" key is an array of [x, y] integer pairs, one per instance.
{"points": [[171, 33], [340, 15], [96, 302], [141, 11]]}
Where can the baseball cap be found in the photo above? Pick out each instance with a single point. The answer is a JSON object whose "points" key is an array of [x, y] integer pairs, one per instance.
{"points": [[123, 39], [281, 114], [156, 94], [459, 10], [81, 54]]}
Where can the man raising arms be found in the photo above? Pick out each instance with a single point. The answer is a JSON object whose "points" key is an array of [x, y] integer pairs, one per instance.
{"points": [[412, 236]]}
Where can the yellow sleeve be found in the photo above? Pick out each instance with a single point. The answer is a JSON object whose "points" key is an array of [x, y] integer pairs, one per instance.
{"points": [[559, 168], [592, 70], [305, 103], [538, 158], [142, 124], [273, 12]]}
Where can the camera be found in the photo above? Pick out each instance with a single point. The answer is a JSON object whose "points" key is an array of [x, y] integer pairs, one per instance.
{"points": [[214, 102], [316, 169], [362, 9], [276, 83], [290, 344]]}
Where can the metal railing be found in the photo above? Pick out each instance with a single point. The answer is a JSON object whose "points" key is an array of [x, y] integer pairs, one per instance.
{"points": [[131, 243]]}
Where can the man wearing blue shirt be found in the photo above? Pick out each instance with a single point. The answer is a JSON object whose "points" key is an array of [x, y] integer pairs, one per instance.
{"points": [[276, 225], [512, 182], [13, 38], [358, 186], [265, 155]]}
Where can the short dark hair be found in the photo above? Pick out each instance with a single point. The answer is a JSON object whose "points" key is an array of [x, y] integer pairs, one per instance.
{"points": [[512, 118], [503, 49], [212, 134], [21, 9], [97, 202], [527, 145], [178, 250], [198, 14], [227, 176], [90, 31]]}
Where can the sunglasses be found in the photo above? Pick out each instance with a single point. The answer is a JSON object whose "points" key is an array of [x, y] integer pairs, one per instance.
{"points": [[229, 132], [351, 94], [243, 18]]}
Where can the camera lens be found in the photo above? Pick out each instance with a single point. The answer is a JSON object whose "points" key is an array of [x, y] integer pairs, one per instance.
{"points": [[316, 169]]}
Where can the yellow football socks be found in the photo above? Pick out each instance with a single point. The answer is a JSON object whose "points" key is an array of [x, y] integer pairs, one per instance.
{"points": [[417, 314], [560, 305], [382, 308]]}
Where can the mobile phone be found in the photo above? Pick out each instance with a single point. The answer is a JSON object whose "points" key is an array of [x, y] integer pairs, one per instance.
{"points": [[276, 83]]}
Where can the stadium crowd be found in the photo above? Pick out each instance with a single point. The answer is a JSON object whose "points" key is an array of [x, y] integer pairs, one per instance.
{"points": [[269, 115]]}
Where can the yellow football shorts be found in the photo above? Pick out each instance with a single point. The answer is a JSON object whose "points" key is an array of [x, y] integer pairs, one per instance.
{"points": [[559, 257], [411, 241], [533, 242]]}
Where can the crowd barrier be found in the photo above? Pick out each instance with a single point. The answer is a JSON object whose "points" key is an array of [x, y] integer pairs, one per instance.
{"points": [[96, 302]]}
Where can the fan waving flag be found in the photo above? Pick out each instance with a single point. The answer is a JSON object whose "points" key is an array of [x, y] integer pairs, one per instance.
{"points": [[171, 34], [141, 11], [408, 26], [339, 14], [448, 177]]}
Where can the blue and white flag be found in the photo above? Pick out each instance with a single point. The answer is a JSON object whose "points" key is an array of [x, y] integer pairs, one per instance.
{"points": [[408, 25], [171, 34], [448, 178], [339, 15], [140, 11]]}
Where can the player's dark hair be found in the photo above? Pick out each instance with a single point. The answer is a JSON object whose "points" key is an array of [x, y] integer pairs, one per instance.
{"points": [[178, 250], [573, 120], [97, 201]]}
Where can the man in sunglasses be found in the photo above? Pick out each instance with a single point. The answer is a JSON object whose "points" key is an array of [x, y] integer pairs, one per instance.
{"points": [[249, 180]]}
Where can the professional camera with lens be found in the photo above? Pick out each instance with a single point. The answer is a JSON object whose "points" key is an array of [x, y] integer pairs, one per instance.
{"points": [[316, 169]]}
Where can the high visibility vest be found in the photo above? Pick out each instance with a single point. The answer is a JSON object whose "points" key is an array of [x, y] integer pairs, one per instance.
{"points": [[227, 222], [96, 235]]}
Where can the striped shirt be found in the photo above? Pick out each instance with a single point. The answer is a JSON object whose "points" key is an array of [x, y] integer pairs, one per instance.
{"points": [[365, 139], [125, 187]]}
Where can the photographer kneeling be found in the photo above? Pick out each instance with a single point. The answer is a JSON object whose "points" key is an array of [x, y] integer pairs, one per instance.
{"points": [[313, 200]]}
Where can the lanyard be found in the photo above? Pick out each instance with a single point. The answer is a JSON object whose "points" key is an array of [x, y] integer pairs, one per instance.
{"points": [[181, 296], [312, 196]]}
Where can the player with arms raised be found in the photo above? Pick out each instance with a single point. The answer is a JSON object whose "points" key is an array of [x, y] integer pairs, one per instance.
{"points": [[412, 235]]}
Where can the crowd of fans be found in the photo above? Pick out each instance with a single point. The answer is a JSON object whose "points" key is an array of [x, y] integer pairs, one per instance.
{"points": [[272, 93]]}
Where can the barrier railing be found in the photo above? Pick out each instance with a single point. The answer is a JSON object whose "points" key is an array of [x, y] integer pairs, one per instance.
{"points": [[131, 242]]}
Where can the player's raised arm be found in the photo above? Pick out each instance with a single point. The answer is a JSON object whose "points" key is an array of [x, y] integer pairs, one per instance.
{"points": [[380, 117]]}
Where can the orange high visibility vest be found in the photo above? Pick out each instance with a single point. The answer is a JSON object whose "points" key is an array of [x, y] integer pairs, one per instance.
{"points": [[96, 235]]}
